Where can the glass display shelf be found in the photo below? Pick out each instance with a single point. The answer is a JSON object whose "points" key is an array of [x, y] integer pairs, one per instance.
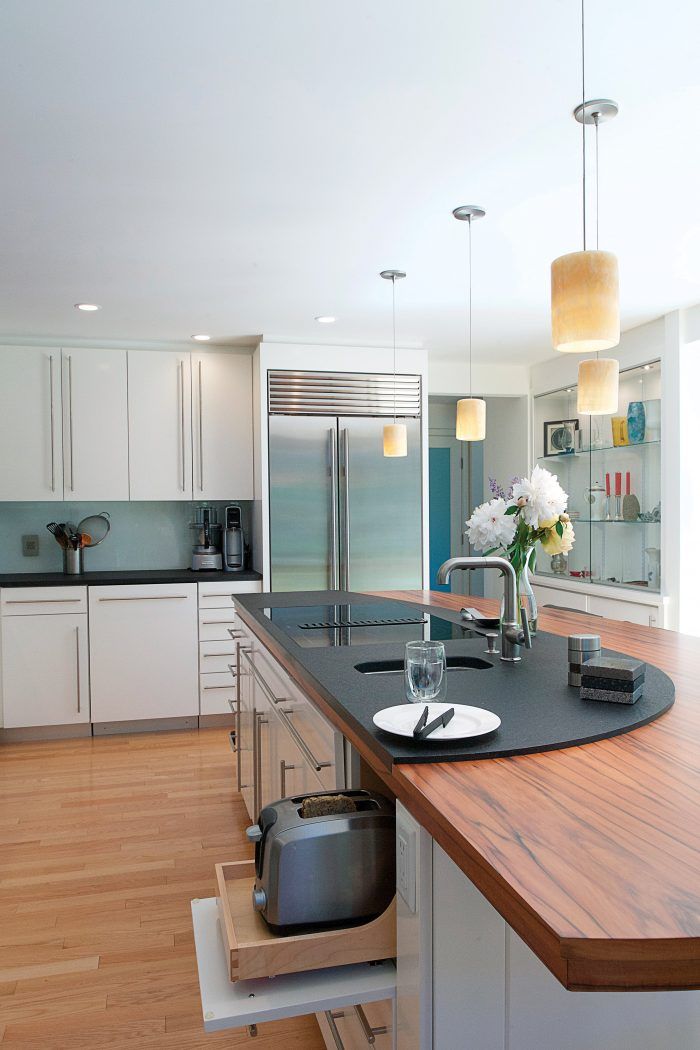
{"points": [[610, 551]]}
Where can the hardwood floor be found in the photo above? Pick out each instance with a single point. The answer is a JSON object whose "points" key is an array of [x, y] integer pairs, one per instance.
{"points": [[103, 843]]}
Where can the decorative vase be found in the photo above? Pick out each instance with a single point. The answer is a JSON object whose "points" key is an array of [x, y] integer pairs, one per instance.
{"points": [[526, 595], [636, 422]]}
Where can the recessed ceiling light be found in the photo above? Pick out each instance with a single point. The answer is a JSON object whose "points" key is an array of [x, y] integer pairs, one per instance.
{"points": [[647, 368], [324, 319], [569, 390], [88, 307], [201, 338]]}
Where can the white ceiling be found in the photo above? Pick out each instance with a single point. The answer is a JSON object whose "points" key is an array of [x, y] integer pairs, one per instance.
{"points": [[237, 168]]}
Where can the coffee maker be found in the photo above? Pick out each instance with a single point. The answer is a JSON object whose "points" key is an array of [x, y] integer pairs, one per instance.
{"points": [[206, 552], [233, 545]]}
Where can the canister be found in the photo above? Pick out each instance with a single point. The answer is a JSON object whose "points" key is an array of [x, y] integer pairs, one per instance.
{"points": [[582, 647]]}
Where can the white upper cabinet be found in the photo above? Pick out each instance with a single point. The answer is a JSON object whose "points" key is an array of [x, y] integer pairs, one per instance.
{"points": [[160, 425], [95, 429], [31, 465], [222, 426]]}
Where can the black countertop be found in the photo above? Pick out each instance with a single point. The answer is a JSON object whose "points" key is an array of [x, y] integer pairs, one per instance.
{"points": [[539, 711], [107, 577]]}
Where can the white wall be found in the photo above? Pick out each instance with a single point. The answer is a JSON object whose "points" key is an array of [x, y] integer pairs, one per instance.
{"points": [[451, 377]]}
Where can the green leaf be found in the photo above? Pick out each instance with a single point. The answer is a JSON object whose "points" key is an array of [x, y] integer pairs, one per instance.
{"points": [[512, 510], [560, 529]]}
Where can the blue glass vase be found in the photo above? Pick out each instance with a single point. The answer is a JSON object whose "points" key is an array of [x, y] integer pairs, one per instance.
{"points": [[636, 422]]}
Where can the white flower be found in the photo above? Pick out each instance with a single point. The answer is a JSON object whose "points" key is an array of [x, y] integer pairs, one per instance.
{"points": [[490, 526], [544, 497]]}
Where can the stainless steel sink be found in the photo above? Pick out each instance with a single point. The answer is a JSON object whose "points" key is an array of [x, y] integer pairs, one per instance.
{"points": [[454, 663]]}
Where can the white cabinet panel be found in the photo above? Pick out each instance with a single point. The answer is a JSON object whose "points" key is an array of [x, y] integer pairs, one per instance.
{"points": [[95, 429], [630, 611], [160, 425], [45, 670], [222, 426], [560, 599], [143, 652], [217, 694], [31, 465], [217, 656], [27, 601]]}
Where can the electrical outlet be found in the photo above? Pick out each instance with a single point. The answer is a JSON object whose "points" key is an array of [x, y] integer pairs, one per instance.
{"points": [[30, 546], [406, 865]]}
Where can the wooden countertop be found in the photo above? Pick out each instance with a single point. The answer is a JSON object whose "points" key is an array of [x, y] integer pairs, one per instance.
{"points": [[592, 853]]}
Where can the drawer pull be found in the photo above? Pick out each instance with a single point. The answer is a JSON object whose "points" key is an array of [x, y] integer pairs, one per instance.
{"points": [[213, 656], [330, 1017], [229, 687], [77, 665], [234, 633], [214, 623], [284, 769], [369, 1032], [41, 601], [147, 598]]}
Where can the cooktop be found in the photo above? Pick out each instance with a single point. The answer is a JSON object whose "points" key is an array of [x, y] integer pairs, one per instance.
{"points": [[358, 623]]}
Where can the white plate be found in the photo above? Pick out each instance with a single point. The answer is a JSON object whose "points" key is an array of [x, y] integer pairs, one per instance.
{"points": [[467, 721]]}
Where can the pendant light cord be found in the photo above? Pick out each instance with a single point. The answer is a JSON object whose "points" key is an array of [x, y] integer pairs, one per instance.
{"points": [[596, 121], [583, 121], [470, 305], [393, 328]]}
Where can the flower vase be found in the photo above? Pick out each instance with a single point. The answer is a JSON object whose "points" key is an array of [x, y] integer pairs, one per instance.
{"points": [[526, 595]]}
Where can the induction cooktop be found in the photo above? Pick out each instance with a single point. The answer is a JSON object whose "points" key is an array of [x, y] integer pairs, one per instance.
{"points": [[359, 623]]}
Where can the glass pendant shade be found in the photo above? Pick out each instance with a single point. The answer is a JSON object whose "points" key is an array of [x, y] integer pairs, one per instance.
{"points": [[598, 387], [585, 302], [395, 439], [471, 419]]}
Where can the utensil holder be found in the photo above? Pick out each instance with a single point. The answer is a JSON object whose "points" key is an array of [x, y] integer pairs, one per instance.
{"points": [[73, 562]]}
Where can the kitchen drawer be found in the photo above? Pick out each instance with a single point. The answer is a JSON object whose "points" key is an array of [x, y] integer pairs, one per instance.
{"points": [[217, 693], [28, 601], [253, 1001], [221, 595], [648, 615], [215, 624], [357, 1027], [560, 599], [217, 656], [254, 951]]}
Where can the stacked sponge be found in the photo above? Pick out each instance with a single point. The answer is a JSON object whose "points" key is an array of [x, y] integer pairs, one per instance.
{"points": [[616, 679]]}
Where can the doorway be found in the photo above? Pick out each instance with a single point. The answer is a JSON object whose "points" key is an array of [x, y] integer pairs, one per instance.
{"points": [[456, 487]]}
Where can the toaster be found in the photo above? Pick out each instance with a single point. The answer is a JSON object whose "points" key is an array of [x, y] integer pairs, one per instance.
{"points": [[324, 871]]}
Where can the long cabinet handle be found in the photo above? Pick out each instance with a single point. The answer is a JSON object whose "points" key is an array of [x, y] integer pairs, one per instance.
{"points": [[238, 676], [213, 656], [51, 424], [369, 1032], [201, 431], [260, 721], [77, 665], [340, 1045], [41, 601], [147, 598], [182, 420], [70, 416], [284, 716], [229, 687], [333, 453], [346, 509]]}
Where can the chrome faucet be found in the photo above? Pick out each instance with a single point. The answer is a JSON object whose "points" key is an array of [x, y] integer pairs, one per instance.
{"points": [[515, 630]]}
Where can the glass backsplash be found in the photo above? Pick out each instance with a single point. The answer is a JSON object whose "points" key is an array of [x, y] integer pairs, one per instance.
{"points": [[143, 535]]}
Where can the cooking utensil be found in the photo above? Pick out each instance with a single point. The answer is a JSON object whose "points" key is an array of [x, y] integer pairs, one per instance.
{"points": [[467, 723], [94, 528], [58, 534]]}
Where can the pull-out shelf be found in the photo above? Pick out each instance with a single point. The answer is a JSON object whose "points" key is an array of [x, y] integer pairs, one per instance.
{"points": [[236, 1005]]}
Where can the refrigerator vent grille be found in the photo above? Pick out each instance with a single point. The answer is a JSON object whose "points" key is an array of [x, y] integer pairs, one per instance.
{"points": [[342, 394]]}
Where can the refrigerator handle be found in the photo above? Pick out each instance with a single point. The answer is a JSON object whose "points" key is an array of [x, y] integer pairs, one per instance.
{"points": [[345, 448], [333, 453]]}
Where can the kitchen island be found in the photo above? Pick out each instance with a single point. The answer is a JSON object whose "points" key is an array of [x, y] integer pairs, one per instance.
{"points": [[590, 854]]}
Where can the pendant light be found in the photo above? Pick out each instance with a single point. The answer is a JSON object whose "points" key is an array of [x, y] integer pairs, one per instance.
{"points": [[395, 434], [471, 411], [585, 299]]}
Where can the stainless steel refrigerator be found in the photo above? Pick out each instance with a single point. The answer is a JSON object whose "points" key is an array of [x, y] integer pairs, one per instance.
{"points": [[342, 516]]}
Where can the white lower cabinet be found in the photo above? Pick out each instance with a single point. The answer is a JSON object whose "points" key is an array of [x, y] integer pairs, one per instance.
{"points": [[613, 608], [45, 669], [143, 652], [219, 631]]}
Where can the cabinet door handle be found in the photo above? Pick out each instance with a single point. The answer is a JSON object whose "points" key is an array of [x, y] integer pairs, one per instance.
{"points": [[260, 721], [369, 1032], [201, 430], [182, 419], [284, 769], [213, 656], [229, 687], [330, 1017], [146, 598], [232, 632], [51, 424], [217, 623], [300, 742], [77, 664], [237, 675], [70, 416], [41, 601]]}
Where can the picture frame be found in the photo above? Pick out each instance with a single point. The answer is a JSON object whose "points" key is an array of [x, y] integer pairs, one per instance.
{"points": [[560, 437]]}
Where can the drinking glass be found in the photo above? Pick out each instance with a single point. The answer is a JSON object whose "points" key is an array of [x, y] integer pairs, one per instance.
{"points": [[424, 671]]}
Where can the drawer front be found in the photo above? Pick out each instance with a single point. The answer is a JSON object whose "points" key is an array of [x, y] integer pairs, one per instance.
{"points": [[219, 656], [221, 595], [647, 615], [213, 630], [560, 599], [28, 601], [217, 694]]}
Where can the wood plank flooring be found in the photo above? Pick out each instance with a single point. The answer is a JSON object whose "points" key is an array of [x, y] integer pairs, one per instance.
{"points": [[103, 843]]}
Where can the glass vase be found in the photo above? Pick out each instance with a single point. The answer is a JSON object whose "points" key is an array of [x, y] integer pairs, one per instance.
{"points": [[526, 595]]}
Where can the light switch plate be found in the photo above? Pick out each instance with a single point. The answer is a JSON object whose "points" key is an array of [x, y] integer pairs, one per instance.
{"points": [[30, 546]]}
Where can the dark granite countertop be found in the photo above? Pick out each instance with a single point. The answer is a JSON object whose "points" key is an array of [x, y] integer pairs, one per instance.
{"points": [[538, 710], [108, 577]]}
